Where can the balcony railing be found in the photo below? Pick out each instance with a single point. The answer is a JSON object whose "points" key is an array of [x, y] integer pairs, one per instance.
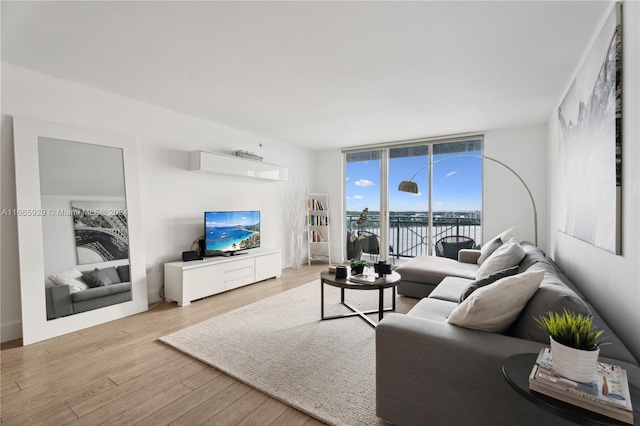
{"points": [[408, 234]]}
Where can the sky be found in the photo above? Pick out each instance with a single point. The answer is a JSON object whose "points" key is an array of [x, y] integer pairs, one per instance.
{"points": [[232, 218], [457, 184]]}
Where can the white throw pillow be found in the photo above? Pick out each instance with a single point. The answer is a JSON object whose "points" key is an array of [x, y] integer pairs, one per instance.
{"points": [[496, 306], [72, 278], [511, 233], [506, 256]]}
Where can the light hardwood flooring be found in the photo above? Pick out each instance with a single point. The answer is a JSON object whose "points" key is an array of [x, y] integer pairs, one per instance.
{"points": [[118, 373]]}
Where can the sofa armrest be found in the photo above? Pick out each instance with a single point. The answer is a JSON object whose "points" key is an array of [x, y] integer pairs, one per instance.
{"points": [[59, 302], [468, 255], [447, 374]]}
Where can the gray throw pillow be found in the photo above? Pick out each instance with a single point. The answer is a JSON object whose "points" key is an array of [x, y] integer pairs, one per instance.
{"points": [[473, 286], [488, 250], [123, 273], [112, 273], [96, 278]]}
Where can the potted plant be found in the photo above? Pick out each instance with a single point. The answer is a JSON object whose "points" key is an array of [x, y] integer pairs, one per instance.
{"points": [[357, 266], [353, 239], [575, 344]]}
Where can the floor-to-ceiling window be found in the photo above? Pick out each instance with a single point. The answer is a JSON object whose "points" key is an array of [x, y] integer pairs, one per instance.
{"points": [[446, 200]]}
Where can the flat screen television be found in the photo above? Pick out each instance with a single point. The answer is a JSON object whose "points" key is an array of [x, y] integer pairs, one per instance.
{"points": [[226, 233]]}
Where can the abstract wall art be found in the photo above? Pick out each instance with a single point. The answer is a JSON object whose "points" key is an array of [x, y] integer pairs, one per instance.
{"points": [[590, 150]]}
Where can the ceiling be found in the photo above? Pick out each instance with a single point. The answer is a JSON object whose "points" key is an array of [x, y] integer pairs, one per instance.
{"points": [[316, 74]]}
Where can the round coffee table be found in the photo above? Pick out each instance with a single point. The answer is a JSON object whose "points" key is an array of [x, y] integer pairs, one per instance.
{"points": [[390, 280]]}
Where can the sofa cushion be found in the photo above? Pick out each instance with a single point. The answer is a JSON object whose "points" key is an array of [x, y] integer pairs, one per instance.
{"points": [[552, 296], [494, 307], [72, 278], [432, 269], [474, 285], [97, 278], [96, 292], [488, 249], [507, 255], [433, 309], [450, 289], [123, 273], [532, 255]]}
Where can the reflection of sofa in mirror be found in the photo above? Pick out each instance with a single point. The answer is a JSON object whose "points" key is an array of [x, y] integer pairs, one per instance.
{"points": [[73, 291]]}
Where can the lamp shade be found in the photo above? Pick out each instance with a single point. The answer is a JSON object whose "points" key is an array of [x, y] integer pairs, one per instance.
{"points": [[408, 186]]}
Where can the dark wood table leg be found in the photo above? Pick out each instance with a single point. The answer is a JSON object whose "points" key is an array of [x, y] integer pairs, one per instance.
{"points": [[321, 299]]}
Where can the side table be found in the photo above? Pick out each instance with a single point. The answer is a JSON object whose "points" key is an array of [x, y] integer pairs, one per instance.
{"points": [[516, 370]]}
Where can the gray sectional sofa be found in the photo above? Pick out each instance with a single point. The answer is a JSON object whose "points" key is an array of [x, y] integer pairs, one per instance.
{"points": [[432, 372], [63, 300]]}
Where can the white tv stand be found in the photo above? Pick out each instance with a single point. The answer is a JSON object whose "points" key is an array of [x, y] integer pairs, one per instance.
{"points": [[187, 281]]}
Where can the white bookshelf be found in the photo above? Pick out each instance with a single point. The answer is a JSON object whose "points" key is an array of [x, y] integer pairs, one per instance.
{"points": [[318, 226]]}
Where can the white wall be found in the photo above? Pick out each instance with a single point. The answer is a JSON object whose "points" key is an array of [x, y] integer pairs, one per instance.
{"points": [[173, 198], [505, 200], [612, 283]]}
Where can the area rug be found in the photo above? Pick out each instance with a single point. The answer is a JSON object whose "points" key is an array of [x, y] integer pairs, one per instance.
{"points": [[280, 346]]}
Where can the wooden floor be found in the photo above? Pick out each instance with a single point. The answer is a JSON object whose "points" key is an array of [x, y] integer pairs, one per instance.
{"points": [[118, 373]]}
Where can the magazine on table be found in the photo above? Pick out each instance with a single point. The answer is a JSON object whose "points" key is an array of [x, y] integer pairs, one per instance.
{"points": [[607, 394], [366, 279]]}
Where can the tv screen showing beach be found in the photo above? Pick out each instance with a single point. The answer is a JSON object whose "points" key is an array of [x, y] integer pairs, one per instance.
{"points": [[231, 231]]}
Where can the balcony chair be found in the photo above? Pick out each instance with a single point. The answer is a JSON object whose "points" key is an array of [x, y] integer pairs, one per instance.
{"points": [[370, 244], [449, 246]]}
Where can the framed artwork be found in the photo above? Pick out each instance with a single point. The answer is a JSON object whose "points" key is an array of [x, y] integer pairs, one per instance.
{"points": [[100, 229], [590, 118]]}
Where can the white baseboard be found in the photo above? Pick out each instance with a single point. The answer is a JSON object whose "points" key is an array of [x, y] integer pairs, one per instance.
{"points": [[10, 332]]}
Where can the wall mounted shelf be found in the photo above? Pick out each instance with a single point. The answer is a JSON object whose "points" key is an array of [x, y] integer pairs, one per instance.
{"points": [[236, 166]]}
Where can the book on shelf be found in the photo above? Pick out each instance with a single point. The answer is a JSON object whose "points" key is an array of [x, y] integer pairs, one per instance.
{"points": [[608, 393], [317, 237], [366, 279], [318, 220], [315, 204]]}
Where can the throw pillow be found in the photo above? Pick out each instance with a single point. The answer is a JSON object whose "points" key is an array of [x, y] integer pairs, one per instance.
{"points": [[506, 256], [488, 249], [494, 307], [112, 273], [123, 273], [473, 286], [509, 234], [72, 278], [97, 278]]}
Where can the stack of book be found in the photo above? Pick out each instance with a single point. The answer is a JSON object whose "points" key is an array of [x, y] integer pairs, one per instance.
{"points": [[366, 279], [608, 394]]}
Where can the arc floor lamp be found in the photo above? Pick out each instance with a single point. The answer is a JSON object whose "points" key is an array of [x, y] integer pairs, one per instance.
{"points": [[412, 187]]}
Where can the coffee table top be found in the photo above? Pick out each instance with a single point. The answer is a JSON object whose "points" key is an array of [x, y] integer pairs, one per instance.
{"points": [[390, 280]]}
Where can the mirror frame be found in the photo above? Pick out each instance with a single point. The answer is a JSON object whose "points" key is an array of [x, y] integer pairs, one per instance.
{"points": [[35, 326]]}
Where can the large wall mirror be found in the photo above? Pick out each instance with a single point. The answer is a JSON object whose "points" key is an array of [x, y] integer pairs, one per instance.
{"points": [[79, 228]]}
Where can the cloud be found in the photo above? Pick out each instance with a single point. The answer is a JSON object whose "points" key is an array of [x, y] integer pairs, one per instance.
{"points": [[418, 194], [451, 173], [364, 182], [357, 197]]}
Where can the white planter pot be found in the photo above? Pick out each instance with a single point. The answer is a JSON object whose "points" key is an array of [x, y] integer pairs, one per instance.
{"points": [[574, 364]]}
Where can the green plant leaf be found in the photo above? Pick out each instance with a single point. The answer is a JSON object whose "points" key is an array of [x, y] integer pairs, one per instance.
{"points": [[574, 330]]}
